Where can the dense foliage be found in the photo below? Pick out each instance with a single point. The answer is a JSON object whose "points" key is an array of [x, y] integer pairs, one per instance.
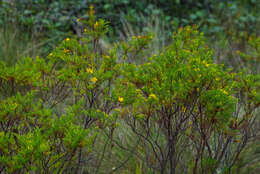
{"points": [[87, 108], [53, 18]]}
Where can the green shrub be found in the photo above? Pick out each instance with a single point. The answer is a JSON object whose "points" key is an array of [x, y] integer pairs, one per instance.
{"points": [[180, 103], [184, 113], [39, 134]]}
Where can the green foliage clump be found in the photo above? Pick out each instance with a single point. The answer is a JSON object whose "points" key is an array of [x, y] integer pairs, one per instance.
{"points": [[37, 133], [182, 96], [77, 109]]}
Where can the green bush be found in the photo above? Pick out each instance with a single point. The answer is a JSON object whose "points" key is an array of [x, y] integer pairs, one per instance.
{"points": [[76, 110], [181, 99]]}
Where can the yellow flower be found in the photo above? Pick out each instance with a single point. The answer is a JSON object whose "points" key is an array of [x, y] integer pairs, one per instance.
{"points": [[50, 54], [205, 63], [183, 109], [96, 25], [67, 39], [66, 50], [120, 99], [139, 37], [78, 20], [217, 79], [94, 80], [89, 70], [85, 30], [225, 92], [152, 96]]}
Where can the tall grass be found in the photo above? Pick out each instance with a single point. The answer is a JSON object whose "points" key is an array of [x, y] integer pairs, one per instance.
{"points": [[16, 44], [150, 24]]}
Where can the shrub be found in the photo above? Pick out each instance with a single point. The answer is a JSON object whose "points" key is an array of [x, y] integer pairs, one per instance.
{"points": [[185, 113], [52, 108], [180, 104]]}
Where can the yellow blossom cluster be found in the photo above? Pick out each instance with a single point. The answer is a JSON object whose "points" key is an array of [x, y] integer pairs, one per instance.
{"points": [[93, 79], [90, 70], [183, 109], [205, 63], [120, 99], [224, 91], [96, 24], [66, 50], [152, 96]]}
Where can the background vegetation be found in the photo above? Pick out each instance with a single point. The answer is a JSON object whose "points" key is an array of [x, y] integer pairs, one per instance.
{"points": [[95, 86]]}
